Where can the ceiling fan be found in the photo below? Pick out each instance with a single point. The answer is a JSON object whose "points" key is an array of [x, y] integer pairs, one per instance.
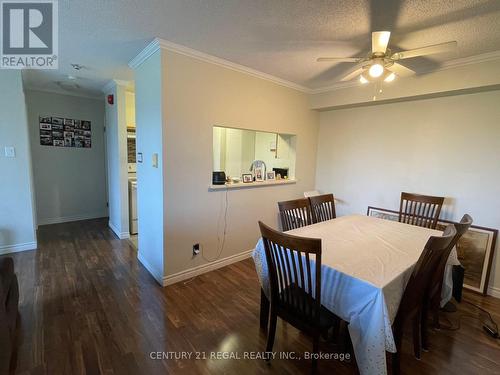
{"points": [[381, 64]]}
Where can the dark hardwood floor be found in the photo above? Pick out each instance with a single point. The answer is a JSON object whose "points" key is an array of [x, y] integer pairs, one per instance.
{"points": [[89, 307]]}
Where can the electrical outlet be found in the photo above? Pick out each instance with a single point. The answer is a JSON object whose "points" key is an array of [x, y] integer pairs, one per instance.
{"points": [[196, 249]]}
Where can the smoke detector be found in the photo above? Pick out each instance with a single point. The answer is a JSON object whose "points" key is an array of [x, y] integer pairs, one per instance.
{"points": [[77, 66]]}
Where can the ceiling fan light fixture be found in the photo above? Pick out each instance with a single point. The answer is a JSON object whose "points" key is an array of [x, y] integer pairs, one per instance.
{"points": [[376, 70], [362, 79], [390, 77]]}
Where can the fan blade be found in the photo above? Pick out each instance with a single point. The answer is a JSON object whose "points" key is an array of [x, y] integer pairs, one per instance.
{"points": [[353, 72], [340, 59], [380, 40], [424, 51], [401, 70]]}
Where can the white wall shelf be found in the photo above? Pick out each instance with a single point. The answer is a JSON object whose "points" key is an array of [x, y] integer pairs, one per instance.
{"points": [[250, 185]]}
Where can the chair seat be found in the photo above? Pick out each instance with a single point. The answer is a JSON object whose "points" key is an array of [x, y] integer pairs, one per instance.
{"points": [[302, 302]]}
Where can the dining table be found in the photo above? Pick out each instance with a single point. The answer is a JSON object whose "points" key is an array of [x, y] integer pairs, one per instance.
{"points": [[366, 264]]}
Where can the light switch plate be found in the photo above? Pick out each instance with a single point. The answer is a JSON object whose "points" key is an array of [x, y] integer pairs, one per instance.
{"points": [[139, 157], [155, 160], [10, 152]]}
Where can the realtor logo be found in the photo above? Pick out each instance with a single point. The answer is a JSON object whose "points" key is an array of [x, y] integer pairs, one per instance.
{"points": [[29, 34]]}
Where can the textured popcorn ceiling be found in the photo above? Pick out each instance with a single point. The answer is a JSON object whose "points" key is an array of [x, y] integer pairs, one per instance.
{"points": [[281, 38]]}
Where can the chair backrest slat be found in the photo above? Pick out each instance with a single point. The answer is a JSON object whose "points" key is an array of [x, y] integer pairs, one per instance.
{"points": [[322, 207], [420, 210], [424, 269], [291, 262], [437, 278], [295, 213]]}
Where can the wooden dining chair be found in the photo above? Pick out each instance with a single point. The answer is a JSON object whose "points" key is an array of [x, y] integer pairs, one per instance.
{"points": [[322, 208], [432, 299], [294, 266], [412, 300], [295, 213], [420, 210]]}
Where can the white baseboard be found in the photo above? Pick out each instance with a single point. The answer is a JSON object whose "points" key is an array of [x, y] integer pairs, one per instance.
{"points": [[65, 219], [6, 249], [494, 292], [204, 268], [120, 235], [156, 275]]}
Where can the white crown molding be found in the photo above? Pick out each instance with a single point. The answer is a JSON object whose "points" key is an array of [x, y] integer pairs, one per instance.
{"points": [[470, 60], [158, 43], [455, 63], [117, 82]]}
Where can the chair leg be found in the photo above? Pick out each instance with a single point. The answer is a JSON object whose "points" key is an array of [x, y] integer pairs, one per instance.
{"points": [[264, 310], [416, 336], [271, 333], [315, 352], [435, 318], [424, 327]]}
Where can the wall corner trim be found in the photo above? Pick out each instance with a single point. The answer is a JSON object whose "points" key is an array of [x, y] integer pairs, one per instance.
{"points": [[158, 43], [119, 234], [113, 83], [156, 275], [204, 268], [494, 292], [15, 248]]}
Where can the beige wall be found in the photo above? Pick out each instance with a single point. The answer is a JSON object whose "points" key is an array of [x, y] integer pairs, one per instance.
{"points": [[17, 218], [198, 95], [444, 146], [70, 183]]}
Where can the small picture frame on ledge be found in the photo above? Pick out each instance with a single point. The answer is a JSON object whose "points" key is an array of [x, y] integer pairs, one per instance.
{"points": [[247, 178], [259, 174], [271, 175]]}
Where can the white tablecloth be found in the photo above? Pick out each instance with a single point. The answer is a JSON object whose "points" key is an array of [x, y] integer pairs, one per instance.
{"points": [[366, 263]]}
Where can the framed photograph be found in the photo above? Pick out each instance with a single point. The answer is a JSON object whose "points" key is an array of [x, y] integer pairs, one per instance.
{"points": [[259, 174], [69, 140], [45, 119], [247, 178], [79, 141], [383, 213], [46, 140], [65, 132], [271, 175], [57, 120], [57, 134], [475, 249]]}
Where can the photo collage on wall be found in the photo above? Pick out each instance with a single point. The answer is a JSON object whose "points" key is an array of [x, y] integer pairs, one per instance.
{"points": [[65, 132]]}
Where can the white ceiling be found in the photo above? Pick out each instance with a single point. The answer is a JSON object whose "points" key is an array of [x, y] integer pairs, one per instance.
{"points": [[281, 38]]}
